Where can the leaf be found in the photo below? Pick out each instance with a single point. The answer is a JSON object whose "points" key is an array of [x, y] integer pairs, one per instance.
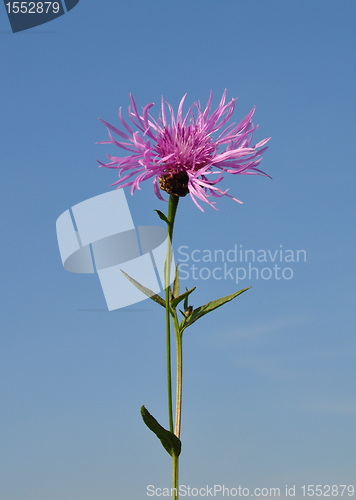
{"points": [[165, 284], [145, 290], [184, 297], [185, 305], [210, 306], [169, 441], [162, 216], [176, 283]]}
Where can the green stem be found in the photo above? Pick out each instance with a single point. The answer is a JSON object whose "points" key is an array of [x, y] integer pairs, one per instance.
{"points": [[178, 401], [179, 376], [172, 208], [175, 477]]}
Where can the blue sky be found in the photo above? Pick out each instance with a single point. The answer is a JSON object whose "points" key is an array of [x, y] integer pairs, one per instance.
{"points": [[269, 396]]}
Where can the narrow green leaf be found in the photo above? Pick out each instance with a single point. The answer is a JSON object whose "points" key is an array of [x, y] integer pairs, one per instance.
{"points": [[169, 441], [185, 305], [210, 306], [162, 216], [176, 283], [145, 290], [184, 297]]}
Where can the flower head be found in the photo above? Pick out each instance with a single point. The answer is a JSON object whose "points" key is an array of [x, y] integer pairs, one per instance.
{"points": [[181, 155]]}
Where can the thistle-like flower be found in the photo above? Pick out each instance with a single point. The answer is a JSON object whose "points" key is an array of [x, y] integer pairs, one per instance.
{"points": [[182, 156]]}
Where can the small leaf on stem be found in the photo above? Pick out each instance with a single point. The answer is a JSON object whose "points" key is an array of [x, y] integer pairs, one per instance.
{"points": [[176, 283], [169, 441], [210, 306], [162, 216], [184, 297], [146, 291], [186, 300]]}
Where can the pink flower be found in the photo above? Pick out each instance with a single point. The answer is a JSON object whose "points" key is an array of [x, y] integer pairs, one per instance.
{"points": [[182, 156]]}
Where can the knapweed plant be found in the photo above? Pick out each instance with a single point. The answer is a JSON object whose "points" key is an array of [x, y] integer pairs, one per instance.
{"points": [[181, 156]]}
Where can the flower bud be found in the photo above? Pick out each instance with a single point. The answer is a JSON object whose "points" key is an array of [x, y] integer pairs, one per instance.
{"points": [[189, 310]]}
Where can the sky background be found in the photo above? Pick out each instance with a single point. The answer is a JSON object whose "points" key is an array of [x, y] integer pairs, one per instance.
{"points": [[269, 395]]}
